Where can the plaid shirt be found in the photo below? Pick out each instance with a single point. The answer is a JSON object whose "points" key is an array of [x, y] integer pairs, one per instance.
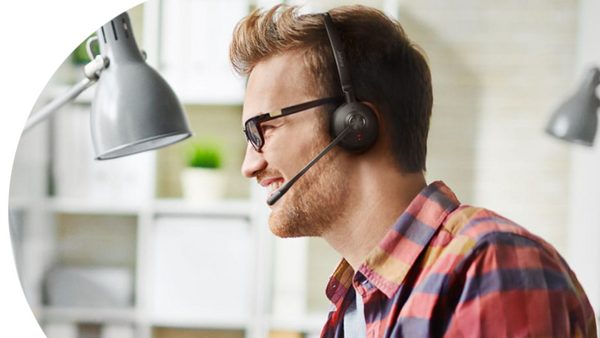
{"points": [[446, 270]]}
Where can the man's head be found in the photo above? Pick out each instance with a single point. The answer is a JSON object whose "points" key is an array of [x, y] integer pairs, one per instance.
{"points": [[289, 61], [387, 69]]}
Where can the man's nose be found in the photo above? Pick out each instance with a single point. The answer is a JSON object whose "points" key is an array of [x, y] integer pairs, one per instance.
{"points": [[253, 162]]}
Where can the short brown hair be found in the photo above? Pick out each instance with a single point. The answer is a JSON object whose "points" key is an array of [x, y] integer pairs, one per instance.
{"points": [[387, 69]]}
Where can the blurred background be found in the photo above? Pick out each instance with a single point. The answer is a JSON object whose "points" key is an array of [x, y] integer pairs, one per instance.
{"points": [[119, 249]]}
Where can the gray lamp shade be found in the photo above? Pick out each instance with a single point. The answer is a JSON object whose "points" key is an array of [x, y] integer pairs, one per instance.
{"points": [[134, 109], [576, 120]]}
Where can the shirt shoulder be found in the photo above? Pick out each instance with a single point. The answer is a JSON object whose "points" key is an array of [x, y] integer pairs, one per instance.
{"points": [[477, 226], [468, 230], [493, 262]]}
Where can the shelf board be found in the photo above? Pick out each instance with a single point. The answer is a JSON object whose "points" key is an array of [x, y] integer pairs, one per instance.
{"points": [[228, 208], [130, 315], [89, 315], [309, 323], [200, 323], [179, 207], [91, 207], [18, 204]]}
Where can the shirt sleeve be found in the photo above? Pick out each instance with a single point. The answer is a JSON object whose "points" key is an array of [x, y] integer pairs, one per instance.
{"points": [[516, 286]]}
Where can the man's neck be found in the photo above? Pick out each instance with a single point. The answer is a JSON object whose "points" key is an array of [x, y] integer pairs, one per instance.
{"points": [[381, 200]]}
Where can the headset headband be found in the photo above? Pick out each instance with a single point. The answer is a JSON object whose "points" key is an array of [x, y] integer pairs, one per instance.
{"points": [[340, 59]]}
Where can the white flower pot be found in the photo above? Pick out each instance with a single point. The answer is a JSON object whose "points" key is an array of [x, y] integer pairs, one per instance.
{"points": [[203, 185]]}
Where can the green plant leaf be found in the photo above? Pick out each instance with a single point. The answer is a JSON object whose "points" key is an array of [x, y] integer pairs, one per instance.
{"points": [[204, 154]]}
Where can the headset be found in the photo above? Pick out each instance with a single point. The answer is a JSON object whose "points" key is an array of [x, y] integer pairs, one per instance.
{"points": [[361, 119], [354, 125]]}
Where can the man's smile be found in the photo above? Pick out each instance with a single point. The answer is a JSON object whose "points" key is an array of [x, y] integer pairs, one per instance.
{"points": [[271, 184]]}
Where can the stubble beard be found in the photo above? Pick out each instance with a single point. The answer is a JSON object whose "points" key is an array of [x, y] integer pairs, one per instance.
{"points": [[315, 202]]}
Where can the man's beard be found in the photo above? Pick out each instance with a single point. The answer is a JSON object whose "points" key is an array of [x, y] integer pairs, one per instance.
{"points": [[315, 202]]}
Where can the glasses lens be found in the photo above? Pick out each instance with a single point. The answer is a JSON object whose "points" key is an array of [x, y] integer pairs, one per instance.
{"points": [[254, 135]]}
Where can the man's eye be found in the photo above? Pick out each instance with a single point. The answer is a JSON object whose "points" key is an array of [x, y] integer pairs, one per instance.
{"points": [[266, 127]]}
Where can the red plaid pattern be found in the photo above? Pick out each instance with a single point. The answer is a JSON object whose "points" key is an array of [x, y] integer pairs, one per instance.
{"points": [[446, 270]]}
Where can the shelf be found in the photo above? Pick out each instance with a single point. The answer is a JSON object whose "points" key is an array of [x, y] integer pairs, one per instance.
{"points": [[88, 315], [217, 323], [130, 315], [181, 207], [73, 206], [226, 208], [18, 204]]}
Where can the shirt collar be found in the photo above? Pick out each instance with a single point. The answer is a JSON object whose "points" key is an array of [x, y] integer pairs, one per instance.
{"points": [[388, 263]]}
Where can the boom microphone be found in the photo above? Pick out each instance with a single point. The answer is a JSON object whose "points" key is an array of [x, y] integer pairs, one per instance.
{"points": [[281, 191]]}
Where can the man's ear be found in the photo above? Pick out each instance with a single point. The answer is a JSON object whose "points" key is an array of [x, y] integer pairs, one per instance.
{"points": [[377, 113], [383, 137], [372, 106]]}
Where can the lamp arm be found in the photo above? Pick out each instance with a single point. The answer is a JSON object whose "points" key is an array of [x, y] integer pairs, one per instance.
{"points": [[92, 72]]}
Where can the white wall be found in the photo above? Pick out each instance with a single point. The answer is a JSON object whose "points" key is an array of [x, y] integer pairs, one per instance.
{"points": [[584, 218], [498, 69]]}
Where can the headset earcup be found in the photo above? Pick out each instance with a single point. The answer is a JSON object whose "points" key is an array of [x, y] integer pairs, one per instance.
{"points": [[363, 121]]}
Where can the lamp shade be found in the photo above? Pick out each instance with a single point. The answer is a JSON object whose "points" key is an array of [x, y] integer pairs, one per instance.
{"points": [[134, 108], [576, 120]]}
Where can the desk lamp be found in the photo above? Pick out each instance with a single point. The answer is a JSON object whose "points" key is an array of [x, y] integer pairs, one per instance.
{"points": [[576, 120], [134, 109]]}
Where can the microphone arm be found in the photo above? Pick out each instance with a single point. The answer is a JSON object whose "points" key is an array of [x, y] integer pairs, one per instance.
{"points": [[281, 191]]}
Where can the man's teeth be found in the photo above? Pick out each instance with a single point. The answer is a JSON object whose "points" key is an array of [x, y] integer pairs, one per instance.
{"points": [[273, 186]]}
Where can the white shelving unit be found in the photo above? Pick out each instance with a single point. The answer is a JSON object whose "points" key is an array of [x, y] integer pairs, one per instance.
{"points": [[151, 221]]}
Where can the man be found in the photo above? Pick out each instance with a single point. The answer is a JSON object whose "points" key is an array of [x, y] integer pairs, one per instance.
{"points": [[416, 262]]}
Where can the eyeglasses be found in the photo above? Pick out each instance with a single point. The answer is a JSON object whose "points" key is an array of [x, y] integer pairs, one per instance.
{"points": [[254, 133]]}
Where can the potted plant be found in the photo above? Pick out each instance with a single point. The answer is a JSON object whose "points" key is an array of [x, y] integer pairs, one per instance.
{"points": [[203, 178]]}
